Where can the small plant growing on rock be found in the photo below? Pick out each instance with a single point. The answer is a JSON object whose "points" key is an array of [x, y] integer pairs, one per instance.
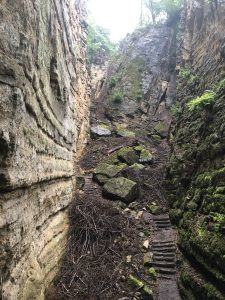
{"points": [[112, 83], [175, 109], [117, 97], [204, 100]]}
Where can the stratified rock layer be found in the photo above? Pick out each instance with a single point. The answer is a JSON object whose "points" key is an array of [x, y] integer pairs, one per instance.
{"points": [[43, 125], [196, 173]]}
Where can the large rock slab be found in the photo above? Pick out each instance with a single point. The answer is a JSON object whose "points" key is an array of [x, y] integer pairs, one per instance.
{"points": [[44, 120], [127, 155], [109, 170], [121, 189], [100, 131]]}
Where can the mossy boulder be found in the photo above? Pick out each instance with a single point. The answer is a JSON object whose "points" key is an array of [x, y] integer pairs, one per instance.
{"points": [[137, 167], [100, 131], [145, 156], [160, 129], [125, 133], [101, 179], [154, 209], [127, 155], [109, 170], [156, 138], [121, 189], [112, 159]]}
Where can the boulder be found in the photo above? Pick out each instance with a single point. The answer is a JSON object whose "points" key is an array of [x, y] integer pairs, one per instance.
{"points": [[101, 179], [127, 155], [154, 209], [125, 133], [108, 170], [100, 131], [137, 167], [148, 259], [145, 156], [121, 188]]}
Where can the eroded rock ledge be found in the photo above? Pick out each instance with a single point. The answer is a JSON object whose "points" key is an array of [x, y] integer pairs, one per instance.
{"points": [[44, 112]]}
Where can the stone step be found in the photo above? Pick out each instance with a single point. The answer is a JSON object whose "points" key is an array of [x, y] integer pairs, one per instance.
{"points": [[165, 270], [162, 242], [167, 277], [162, 221], [164, 264], [169, 255], [161, 226], [166, 250], [161, 217], [168, 244], [158, 247], [163, 258]]}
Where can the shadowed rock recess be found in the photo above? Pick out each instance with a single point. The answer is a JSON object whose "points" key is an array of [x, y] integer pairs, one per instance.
{"points": [[147, 219], [44, 116]]}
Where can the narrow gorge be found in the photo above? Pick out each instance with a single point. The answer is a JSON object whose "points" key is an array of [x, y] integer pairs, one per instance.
{"points": [[112, 171]]}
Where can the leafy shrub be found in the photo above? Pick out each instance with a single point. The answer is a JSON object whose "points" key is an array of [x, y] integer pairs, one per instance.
{"points": [[204, 100], [117, 97], [220, 86], [98, 40], [112, 83], [175, 109]]}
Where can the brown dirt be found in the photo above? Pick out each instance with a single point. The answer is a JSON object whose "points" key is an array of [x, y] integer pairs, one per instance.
{"points": [[101, 236]]}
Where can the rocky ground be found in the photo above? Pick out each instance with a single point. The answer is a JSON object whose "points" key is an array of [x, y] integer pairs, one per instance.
{"points": [[121, 242]]}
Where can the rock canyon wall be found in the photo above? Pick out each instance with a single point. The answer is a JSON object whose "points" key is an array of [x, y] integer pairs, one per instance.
{"points": [[44, 118], [196, 173]]}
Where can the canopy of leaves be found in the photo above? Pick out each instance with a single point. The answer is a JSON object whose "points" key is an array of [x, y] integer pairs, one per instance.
{"points": [[98, 41], [162, 9]]}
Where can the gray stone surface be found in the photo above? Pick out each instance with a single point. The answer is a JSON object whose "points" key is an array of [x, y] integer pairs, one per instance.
{"points": [[44, 109]]}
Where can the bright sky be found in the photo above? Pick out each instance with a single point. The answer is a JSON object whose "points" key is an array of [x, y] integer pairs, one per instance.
{"points": [[119, 16]]}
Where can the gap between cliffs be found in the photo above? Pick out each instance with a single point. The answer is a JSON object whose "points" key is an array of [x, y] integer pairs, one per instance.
{"points": [[121, 243]]}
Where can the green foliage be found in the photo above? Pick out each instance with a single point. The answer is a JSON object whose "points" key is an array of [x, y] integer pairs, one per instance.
{"points": [[220, 86], [117, 97], [98, 40], [176, 109], [112, 83], [219, 220], [158, 9], [204, 100], [188, 75]]}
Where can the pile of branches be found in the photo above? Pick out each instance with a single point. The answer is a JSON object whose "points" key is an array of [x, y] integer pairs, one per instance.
{"points": [[90, 269]]}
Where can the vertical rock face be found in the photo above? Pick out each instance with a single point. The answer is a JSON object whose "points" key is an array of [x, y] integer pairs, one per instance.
{"points": [[140, 79], [196, 173], [44, 104]]}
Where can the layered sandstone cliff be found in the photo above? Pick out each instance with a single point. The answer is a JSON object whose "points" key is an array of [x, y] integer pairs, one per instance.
{"points": [[44, 113], [196, 173]]}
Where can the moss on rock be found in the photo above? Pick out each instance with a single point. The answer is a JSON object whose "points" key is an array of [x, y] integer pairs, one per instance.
{"points": [[127, 155], [109, 170], [121, 189]]}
